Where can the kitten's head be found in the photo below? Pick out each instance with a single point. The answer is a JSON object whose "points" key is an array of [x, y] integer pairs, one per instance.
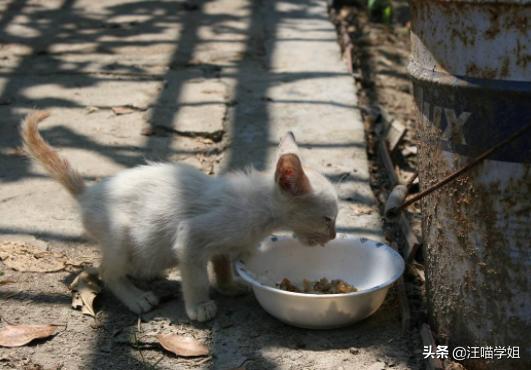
{"points": [[309, 200]]}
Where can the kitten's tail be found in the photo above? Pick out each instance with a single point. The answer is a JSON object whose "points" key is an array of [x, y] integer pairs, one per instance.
{"points": [[57, 167]]}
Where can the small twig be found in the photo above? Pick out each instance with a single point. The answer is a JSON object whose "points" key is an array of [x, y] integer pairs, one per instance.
{"points": [[64, 329], [203, 361], [244, 362], [411, 180], [159, 360], [387, 162], [348, 53], [139, 350]]}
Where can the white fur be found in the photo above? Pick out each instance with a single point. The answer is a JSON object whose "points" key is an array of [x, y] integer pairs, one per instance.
{"points": [[150, 218]]}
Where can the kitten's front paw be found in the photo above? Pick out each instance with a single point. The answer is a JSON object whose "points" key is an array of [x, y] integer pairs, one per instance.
{"points": [[203, 311], [234, 289], [141, 303]]}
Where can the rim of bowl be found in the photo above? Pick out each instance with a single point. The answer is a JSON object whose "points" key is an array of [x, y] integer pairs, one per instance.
{"points": [[245, 275]]}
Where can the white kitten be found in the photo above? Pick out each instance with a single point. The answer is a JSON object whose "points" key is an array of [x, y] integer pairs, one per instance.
{"points": [[150, 218]]}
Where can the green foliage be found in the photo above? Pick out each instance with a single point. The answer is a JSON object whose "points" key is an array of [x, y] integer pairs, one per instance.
{"points": [[387, 14], [380, 10]]}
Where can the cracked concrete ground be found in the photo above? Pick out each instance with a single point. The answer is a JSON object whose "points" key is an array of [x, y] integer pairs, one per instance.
{"points": [[210, 83]]}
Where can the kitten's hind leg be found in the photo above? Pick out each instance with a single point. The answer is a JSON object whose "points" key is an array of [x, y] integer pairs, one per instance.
{"points": [[225, 282], [113, 271]]}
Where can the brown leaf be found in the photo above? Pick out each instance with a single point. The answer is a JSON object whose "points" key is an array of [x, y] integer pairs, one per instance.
{"points": [[147, 131], [360, 209], [122, 110], [5, 282], [26, 257], [182, 346], [92, 109], [19, 335], [85, 288]]}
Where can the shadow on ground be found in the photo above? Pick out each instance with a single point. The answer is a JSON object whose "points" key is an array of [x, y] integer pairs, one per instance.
{"points": [[73, 46]]}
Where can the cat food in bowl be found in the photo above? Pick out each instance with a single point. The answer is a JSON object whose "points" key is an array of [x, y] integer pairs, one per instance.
{"points": [[321, 288]]}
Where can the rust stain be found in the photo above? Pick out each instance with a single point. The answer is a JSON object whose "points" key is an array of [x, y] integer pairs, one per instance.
{"points": [[494, 18], [467, 38], [518, 20], [504, 70], [522, 57], [473, 70], [489, 73]]}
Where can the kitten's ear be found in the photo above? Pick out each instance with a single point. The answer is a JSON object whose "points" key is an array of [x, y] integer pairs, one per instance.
{"points": [[290, 176], [288, 145]]}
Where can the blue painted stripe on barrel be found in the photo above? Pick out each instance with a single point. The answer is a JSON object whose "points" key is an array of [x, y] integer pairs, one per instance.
{"points": [[491, 110]]}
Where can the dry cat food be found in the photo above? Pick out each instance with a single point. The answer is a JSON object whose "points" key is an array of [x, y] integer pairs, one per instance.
{"points": [[322, 286]]}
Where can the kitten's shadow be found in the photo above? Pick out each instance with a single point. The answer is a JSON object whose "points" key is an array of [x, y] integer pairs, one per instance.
{"points": [[242, 329], [171, 306]]}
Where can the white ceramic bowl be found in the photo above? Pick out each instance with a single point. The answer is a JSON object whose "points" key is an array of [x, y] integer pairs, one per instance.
{"points": [[368, 265]]}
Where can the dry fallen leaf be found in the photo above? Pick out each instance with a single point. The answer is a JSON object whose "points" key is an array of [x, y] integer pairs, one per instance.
{"points": [[122, 110], [92, 109], [5, 282], [85, 288], [182, 346], [360, 210], [147, 131], [19, 335], [25, 257]]}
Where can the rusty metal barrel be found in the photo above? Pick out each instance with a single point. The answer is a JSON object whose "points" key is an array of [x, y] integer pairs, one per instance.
{"points": [[472, 85]]}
